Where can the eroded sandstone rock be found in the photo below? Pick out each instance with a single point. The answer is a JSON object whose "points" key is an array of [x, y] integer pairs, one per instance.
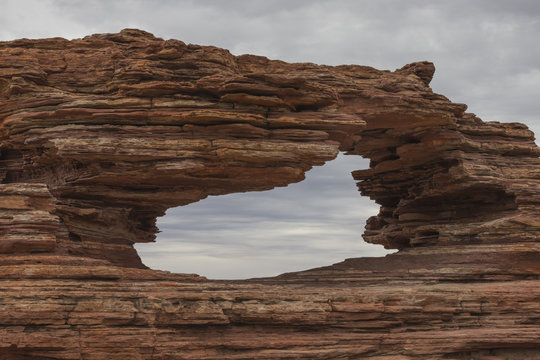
{"points": [[101, 135]]}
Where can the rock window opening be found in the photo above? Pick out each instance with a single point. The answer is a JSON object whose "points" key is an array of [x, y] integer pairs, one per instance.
{"points": [[316, 222]]}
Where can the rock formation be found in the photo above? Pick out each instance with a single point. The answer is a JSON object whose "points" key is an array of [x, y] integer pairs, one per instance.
{"points": [[101, 135]]}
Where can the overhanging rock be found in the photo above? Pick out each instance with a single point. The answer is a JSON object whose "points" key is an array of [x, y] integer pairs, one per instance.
{"points": [[101, 135]]}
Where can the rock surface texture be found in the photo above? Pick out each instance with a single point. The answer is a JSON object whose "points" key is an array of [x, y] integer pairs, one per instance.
{"points": [[101, 135]]}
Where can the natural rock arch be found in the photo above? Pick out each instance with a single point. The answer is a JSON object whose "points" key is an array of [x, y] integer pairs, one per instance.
{"points": [[101, 135]]}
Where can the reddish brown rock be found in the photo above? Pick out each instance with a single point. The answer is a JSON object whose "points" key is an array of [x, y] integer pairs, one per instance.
{"points": [[99, 136]]}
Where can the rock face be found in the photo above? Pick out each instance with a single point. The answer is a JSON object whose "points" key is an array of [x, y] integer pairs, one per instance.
{"points": [[100, 136]]}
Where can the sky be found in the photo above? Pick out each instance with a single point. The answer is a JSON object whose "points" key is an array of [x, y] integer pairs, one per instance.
{"points": [[485, 51]]}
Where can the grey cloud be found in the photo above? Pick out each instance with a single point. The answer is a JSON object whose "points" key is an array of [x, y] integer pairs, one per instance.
{"points": [[302, 221]]}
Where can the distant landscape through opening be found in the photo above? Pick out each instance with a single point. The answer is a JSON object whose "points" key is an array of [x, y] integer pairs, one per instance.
{"points": [[316, 222]]}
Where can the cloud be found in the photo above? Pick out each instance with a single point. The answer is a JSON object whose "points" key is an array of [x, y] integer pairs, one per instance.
{"points": [[309, 224]]}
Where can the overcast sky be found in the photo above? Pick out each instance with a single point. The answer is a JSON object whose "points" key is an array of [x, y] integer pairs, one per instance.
{"points": [[486, 53]]}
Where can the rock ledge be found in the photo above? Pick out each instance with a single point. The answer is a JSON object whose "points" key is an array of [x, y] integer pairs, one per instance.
{"points": [[101, 135]]}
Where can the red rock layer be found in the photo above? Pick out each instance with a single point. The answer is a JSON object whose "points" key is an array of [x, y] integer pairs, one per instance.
{"points": [[100, 136]]}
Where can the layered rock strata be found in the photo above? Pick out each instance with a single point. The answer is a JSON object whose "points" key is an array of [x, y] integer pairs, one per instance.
{"points": [[101, 135]]}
